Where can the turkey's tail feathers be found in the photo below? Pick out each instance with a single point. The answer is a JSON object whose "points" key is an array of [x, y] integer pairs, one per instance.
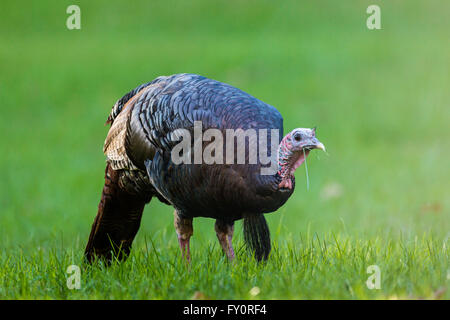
{"points": [[117, 221], [257, 236]]}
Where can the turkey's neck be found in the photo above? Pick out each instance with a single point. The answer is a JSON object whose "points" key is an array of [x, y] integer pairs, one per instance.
{"points": [[288, 161]]}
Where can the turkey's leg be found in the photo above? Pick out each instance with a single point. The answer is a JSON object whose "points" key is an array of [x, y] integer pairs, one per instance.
{"points": [[224, 231], [184, 230]]}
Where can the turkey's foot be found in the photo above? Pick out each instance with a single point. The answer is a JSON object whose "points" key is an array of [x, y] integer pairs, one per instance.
{"points": [[224, 231], [184, 230]]}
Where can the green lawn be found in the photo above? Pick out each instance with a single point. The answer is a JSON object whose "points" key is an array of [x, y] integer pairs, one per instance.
{"points": [[380, 100]]}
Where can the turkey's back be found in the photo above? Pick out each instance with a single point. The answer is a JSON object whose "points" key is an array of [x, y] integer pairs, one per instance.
{"points": [[141, 138]]}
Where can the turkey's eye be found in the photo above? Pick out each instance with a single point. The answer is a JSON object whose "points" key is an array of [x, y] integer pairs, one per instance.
{"points": [[297, 137]]}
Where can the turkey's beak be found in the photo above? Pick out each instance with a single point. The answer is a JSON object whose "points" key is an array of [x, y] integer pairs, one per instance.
{"points": [[314, 143], [320, 146]]}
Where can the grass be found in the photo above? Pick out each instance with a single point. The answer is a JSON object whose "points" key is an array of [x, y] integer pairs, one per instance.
{"points": [[379, 99], [312, 268]]}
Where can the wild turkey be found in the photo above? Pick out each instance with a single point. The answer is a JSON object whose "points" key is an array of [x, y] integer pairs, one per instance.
{"points": [[139, 166]]}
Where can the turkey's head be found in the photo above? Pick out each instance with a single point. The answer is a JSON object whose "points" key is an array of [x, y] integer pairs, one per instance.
{"points": [[293, 150]]}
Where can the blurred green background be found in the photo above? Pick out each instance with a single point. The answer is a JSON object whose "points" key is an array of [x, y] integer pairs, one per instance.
{"points": [[380, 100]]}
